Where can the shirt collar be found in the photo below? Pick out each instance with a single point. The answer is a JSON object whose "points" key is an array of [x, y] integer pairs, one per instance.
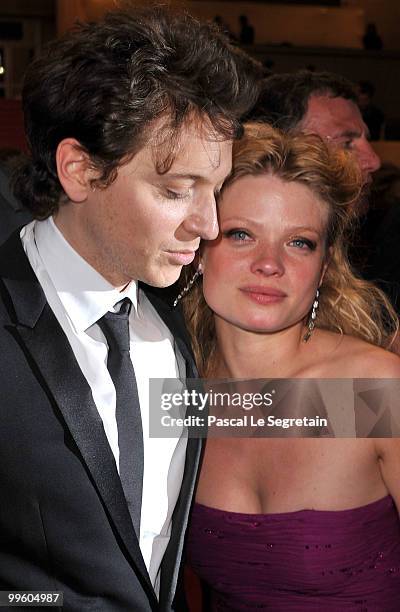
{"points": [[83, 292]]}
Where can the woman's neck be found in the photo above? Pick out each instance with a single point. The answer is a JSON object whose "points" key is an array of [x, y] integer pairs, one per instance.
{"points": [[245, 354]]}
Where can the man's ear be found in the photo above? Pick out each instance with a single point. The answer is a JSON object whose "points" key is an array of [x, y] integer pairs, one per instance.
{"points": [[74, 169], [326, 263]]}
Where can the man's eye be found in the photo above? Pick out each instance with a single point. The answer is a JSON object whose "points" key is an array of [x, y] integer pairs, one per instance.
{"points": [[237, 235], [347, 145], [176, 195]]}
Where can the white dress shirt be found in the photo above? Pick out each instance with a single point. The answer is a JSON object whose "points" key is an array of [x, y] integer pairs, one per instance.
{"points": [[79, 296]]}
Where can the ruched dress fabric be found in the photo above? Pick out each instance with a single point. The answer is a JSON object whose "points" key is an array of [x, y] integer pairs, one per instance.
{"points": [[303, 561]]}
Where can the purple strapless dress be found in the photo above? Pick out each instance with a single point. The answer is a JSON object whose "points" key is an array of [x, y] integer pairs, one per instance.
{"points": [[304, 561]]}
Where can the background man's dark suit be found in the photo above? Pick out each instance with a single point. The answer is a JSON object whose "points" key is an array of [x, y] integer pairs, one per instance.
{"points": [[12, 213], [64, 522]]}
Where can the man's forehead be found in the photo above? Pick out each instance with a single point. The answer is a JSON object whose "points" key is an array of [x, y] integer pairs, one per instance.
{"points": [[333, 117], [194, 144], [192, 151]]}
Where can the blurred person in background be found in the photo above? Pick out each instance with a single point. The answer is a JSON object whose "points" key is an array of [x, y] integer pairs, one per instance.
{"points": [[381, 233], [371, 39], [320, 103], [246, 33], [13, 214]]}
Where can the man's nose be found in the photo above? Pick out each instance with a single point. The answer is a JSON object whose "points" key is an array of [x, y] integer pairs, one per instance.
{"points": [[203, 222], [369, 161]]}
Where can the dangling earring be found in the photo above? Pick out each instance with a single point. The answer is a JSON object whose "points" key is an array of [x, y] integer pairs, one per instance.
{"points": [[189, 285], [311, 320]]}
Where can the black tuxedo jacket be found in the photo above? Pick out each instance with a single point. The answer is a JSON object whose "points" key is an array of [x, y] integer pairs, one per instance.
{"points": [[64, 522], [12, 213]]}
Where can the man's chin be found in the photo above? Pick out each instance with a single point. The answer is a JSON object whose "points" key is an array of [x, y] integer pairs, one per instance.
{"points": [[162, 281]]}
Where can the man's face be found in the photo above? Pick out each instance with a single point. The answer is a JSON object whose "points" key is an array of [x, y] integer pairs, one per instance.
{"points": [[339, 121], [145, 225]]}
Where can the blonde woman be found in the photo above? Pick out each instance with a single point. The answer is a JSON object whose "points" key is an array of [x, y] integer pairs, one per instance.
{"points": [[307, 523]]}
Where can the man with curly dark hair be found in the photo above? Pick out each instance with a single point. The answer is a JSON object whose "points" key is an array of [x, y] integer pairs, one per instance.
{"points": [[130, 123]]}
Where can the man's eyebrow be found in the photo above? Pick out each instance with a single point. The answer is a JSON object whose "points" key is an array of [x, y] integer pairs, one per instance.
{"points": [[348, 134], [182, 175]]}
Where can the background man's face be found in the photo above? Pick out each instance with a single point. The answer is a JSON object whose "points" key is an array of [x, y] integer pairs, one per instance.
{"points": [[339, 121], [145, 225]]}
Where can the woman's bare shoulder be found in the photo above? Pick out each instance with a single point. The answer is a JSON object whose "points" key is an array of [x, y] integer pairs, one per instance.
{"points": [[354, 358], [369, 361]]}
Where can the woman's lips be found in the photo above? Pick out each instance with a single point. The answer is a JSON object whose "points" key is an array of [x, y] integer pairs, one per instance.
{"points": [[263, 295]]}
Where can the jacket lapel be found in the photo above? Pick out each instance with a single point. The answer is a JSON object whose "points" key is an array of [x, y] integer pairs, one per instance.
{"points": [[42, 338], [171, 564]]}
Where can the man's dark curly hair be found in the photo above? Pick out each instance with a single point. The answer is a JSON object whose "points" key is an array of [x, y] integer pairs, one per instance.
{"points": [[107, 83], [283, 99]]}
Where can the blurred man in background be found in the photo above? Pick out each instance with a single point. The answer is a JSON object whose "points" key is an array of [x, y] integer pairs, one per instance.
{"points": [[321, 103]]}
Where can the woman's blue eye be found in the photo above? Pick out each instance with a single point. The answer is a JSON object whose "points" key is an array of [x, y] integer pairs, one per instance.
{"points": [[238, 235], [302, 243], [299, 243]]}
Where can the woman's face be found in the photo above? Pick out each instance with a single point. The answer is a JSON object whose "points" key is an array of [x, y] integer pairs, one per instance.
{"points": [[263, 270]]}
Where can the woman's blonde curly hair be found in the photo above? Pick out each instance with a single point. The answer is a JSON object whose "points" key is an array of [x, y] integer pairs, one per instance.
{"points": [[347, 303]]}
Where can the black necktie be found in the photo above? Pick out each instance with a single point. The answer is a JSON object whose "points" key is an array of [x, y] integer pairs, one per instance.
{"points": [[115, 327]]}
